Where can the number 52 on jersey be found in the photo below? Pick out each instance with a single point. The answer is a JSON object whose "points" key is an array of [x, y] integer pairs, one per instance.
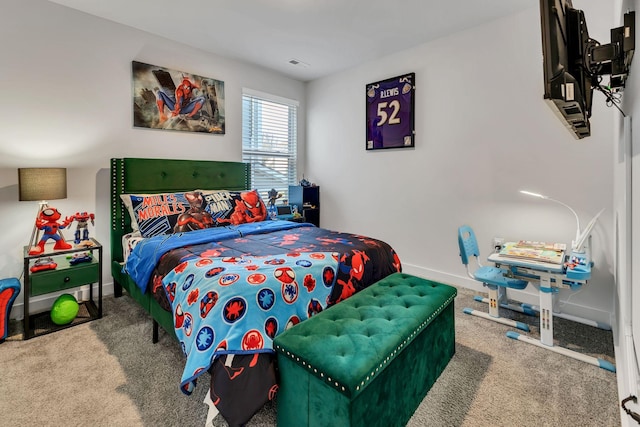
{"points": [[390, 117]]}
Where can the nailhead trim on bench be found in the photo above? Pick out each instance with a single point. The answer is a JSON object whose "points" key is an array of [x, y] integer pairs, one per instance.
{"points": [[387, 359]]}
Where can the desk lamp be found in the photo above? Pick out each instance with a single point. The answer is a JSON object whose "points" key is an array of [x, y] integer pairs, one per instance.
{"points": [[41, 184], [581, 237]]}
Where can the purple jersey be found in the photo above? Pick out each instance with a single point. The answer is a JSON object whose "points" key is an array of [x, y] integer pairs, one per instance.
{"points": [[390, 113]]}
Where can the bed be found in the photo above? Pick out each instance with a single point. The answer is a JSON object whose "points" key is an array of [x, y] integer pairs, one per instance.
{"points": [[210, 267]]}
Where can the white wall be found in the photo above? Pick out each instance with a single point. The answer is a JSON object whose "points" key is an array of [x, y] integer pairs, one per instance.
{"points": [[483, 132], [627, 296], [65, 80]]}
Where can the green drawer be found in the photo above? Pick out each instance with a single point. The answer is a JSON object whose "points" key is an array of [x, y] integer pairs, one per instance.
{"points": [[66, 277]]}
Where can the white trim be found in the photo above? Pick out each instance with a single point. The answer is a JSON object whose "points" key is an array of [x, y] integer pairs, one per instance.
{"points": [[269, 97]]}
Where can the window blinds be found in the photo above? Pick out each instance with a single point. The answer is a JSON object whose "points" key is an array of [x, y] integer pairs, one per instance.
{"points": [[269, 141]]}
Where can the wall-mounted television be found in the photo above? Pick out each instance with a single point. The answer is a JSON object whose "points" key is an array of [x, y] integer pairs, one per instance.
{"points": [[574, 64]]}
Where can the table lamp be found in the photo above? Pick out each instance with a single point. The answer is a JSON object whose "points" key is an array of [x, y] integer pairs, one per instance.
{"points": [[41, 184], [581, 236]]}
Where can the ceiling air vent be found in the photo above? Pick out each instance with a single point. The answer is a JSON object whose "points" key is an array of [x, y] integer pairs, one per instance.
{"points": [[298, 63]]}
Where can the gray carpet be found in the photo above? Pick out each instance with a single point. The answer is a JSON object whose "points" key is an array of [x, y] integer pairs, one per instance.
{"points": [[107, 373]]}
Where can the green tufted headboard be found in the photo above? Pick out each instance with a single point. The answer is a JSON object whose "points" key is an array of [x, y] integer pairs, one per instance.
{"points": [[136, 175]]}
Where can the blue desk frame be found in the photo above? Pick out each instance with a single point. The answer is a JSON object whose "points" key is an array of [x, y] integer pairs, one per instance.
{"points": [[548, 279]]}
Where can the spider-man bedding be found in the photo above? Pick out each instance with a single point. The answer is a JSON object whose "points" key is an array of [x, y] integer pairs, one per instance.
{"points": [[192, 269]]}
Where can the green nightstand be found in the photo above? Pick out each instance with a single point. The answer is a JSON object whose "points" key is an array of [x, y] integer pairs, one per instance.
{"points": [[72, 270]]}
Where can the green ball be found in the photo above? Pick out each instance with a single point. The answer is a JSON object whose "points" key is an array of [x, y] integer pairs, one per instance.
{"points": [[64, 309]]}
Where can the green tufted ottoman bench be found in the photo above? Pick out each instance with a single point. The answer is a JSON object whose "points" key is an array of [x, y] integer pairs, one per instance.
{"points": [[369, 360]]}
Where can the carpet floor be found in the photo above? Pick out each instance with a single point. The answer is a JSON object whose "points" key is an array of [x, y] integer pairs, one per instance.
{"points": [[108, 373]]}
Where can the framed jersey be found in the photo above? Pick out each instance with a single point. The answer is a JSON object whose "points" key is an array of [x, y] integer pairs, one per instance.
{"points": [[390, 115]]}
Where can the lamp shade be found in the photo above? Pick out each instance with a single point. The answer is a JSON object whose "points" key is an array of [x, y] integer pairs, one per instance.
{"points": [[42, 183]]}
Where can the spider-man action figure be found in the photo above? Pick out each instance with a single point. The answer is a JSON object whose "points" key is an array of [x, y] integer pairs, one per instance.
{"points": [[48, 222]]}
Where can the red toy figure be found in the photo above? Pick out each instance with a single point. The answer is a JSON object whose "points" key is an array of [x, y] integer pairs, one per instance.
{"points": [[82, 218], [48, 221]]}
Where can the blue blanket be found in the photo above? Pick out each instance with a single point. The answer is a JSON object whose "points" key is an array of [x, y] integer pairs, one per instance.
{"points": [[147, 253], [237, 305]]}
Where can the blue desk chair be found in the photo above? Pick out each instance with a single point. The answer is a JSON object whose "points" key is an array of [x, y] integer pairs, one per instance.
{"points": [[493, 278]]}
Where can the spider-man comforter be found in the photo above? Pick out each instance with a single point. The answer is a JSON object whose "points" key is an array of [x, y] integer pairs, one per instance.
{"points": [[237, 305], [239, 391], [363, 260]]}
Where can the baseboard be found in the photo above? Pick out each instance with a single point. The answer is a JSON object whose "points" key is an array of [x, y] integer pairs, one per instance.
{"points": [[44, 302], [628, 375], [527, 296]]}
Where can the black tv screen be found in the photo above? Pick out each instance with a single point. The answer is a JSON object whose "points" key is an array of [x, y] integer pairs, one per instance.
{"points": [[567, 85], [574, 63]]}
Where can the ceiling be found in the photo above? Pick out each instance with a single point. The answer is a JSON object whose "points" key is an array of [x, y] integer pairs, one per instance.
{"points": [[324, 36]]}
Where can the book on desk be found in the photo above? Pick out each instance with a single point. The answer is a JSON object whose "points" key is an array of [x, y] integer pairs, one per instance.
{"points": [[536, 251]]}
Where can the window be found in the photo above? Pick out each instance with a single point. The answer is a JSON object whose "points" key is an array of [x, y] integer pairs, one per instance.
{"points": [[269, 141]]}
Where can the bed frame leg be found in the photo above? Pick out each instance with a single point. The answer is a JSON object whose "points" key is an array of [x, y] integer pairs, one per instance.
{"points": [[155, 332], [117, 289]]}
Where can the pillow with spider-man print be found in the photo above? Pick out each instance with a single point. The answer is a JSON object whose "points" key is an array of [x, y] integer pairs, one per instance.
{"points": [[234, 207], [166, 213]]}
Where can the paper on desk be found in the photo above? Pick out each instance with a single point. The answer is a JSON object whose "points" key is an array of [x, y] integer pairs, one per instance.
{"points": [[537, 251]]}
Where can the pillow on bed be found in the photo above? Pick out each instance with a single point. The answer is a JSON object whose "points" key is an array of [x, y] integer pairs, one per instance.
{"points": [[234, 207], [126, 201], [166, 213]]}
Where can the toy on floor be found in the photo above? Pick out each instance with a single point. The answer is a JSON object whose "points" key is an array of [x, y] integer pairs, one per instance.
{"points": [[64, 309], [82, 228], [48, 222]]}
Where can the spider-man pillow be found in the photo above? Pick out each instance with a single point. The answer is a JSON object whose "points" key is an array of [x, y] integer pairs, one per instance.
{"points": [[234, 207], [166, 213]]}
